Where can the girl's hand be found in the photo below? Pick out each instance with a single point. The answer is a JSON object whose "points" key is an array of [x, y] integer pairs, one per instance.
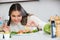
{"points": [[32, 23], [6, 28]]}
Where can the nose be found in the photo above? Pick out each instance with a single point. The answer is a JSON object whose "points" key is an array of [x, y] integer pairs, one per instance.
{"points": [[16, 18]]}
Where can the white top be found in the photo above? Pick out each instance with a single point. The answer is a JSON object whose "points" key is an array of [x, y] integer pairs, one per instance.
{"points": [[37, 21], [17, 27]]}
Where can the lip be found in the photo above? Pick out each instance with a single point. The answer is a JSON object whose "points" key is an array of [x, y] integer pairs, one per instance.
{"points": [[16, 20]]}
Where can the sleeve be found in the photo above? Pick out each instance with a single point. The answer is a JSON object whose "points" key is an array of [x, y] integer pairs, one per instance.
{"points": [[37, 21]]}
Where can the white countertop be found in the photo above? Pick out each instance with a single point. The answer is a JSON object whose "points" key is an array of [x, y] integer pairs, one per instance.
{"points": [[33, 36]]}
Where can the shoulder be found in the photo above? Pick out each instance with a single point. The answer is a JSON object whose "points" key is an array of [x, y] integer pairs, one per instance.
{"points": [[33, 17]]}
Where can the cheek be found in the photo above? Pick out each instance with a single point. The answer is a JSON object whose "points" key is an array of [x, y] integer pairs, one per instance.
{"points": [[13, 18], [19, 19]]}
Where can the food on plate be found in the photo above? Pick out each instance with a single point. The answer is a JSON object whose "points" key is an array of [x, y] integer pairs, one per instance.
{"points": [[27, 30], [22, 31], [13, 33], [35, 31], [7, 32]]}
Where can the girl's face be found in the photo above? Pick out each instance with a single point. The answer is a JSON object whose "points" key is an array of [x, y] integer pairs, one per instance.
{"points": [[16, 16]]}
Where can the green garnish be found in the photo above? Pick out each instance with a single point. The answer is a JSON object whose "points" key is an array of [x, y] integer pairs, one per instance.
{"points": [[35, 31]]}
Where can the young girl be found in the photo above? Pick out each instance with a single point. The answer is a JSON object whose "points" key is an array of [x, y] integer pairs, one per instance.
{"points": [[19, 19]]}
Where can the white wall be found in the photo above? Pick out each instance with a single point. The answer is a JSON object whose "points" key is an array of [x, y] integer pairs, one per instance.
{"points": [[42, 9]]}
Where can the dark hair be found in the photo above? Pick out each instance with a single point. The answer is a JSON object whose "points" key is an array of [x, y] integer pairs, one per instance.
{"points": [[18, 7]]}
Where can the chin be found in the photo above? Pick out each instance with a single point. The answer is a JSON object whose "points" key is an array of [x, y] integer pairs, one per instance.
{"points": [[16, 22]]}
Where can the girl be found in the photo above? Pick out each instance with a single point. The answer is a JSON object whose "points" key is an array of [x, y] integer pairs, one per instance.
{"points": [[19, 19]]}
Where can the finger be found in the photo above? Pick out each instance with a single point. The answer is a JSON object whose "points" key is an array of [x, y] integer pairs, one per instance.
{"points": [[6, 29], [28, 24], [5, 25]]}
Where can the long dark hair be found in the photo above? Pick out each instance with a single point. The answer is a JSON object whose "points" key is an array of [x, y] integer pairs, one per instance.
{"points": [[18, 7]]}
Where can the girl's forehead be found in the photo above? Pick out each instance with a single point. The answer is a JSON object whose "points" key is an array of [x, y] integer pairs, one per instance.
{"points": [[16, 12]]}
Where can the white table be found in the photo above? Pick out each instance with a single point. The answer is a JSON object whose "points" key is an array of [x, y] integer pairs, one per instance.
{"points": [[32, 36]]}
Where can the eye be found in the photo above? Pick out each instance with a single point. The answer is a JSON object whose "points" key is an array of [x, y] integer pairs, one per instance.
{"points": [[19, 15], [13, 16]]}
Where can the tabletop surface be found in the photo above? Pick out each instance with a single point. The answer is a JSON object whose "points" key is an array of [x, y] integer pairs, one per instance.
{"points": [[32, 36]]}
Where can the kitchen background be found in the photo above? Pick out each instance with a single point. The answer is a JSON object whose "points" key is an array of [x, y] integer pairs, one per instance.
{"points": [[42, 8]]}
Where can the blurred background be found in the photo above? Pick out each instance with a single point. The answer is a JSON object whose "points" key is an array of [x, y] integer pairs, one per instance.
{"points": [[15, 0], [42, 8]]}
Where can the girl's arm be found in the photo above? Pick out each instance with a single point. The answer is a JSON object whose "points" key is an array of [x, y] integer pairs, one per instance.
{"points": [[35, 21]]}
